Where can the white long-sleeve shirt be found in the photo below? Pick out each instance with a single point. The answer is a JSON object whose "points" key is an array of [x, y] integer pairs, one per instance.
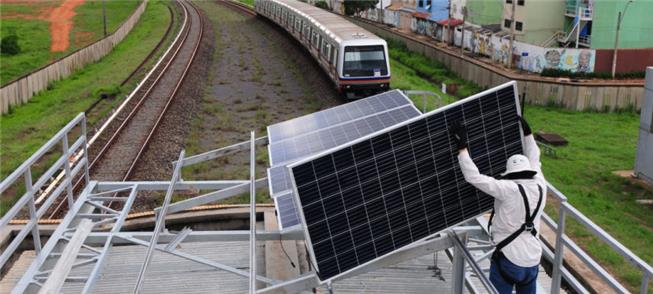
{"points": [[525, 250]]}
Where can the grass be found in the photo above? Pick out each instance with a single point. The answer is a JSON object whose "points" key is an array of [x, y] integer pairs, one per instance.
{"points": [[35, 122], [247, 2], [34, 34], [600, 143]]}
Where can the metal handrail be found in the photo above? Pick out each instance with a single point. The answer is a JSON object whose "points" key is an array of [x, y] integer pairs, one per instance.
{"points": [[27, 199], [566, 209]]}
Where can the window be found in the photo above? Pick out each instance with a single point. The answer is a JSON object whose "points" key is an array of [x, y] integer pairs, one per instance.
{"points": [[518, 25], [508, 1], [362, 61], [325, 48], [520, 2], [420, 4], [506, 23], [316, 38]]}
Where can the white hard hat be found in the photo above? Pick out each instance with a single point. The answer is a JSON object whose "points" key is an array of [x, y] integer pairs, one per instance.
{"points": [[517, 163]]}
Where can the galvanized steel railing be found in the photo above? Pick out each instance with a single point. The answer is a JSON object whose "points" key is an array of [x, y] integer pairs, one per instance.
{"points": [[71, 171], [565, 209]]}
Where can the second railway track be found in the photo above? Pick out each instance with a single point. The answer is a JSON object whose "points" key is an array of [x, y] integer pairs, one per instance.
{"points": [[118, 144]]}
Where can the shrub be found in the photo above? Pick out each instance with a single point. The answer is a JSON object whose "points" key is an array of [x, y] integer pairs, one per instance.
{"points": [[554, 72], [322, 4], [9, 45]]}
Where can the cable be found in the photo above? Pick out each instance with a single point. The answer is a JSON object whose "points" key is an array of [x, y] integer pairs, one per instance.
{"points": [[286, 253], [310, 261]]}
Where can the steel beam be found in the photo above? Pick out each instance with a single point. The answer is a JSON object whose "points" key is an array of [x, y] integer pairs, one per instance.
{"points": [[160, 223], [163, 185], [99, 238], [224, 151], [252, 214], [108, 242], [215, 196]]}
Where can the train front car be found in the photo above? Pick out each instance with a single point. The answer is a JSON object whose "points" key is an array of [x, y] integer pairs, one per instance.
{"points": [[364, 67]]}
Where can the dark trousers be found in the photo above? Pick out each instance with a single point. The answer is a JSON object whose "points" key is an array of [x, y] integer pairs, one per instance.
{"points": [[505, 275]]}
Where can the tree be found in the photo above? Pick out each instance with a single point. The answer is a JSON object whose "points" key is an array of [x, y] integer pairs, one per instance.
{"points": [[353, 6]]}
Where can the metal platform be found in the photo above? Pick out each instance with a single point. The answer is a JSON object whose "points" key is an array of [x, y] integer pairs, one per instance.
{"points": [[89, 252]]}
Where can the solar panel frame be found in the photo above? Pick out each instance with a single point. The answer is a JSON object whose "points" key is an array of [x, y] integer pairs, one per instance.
{"points": [[296, 194]]}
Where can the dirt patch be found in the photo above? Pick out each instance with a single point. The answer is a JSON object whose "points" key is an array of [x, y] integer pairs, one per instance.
{"points": [[61, 22], [28, 9]]}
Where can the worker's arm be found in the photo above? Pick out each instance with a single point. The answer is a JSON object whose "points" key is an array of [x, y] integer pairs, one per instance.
{"points": [[531, 150], [491, 186]]}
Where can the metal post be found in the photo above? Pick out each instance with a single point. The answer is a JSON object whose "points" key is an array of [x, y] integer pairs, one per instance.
{"points": [[69, 178], [160, 222], [458, 270], [32, 210], [462, 35], [579, 13], [645, 278], [252, 214], [512, 33], [104, 17], [620, 16], [558, 254], [87, 178]]}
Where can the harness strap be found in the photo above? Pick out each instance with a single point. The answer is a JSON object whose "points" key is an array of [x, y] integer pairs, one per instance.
{"points": [[528, 225]]}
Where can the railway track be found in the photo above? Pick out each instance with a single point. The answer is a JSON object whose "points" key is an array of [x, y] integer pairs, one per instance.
{"points": [[116, 147]]}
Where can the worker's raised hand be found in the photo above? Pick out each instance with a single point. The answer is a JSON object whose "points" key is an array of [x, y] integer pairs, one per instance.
{"points": [[525, 126], [459, 133]]}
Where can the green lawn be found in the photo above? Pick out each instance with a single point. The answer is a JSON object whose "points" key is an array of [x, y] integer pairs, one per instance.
{"points": [[599, 143], [34, 34], [248, 2], [35, 122]]}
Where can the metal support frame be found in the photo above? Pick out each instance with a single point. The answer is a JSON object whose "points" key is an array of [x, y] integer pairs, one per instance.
{"points": [[252, 214], [160, 222], [91, 206]]}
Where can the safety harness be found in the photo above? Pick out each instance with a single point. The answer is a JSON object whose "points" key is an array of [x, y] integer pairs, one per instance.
{"points": [[527, 226]]}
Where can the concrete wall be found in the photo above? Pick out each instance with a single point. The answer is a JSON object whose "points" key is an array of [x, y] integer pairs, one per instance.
{"points": [[644, 162], [628, 60], [571, 95]]}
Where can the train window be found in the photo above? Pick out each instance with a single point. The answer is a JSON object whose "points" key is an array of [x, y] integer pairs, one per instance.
{"points": [[364, 61], [332, 54], [316, 38], [325, 49]]}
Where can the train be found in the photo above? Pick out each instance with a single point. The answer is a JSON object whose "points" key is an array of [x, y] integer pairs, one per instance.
{"points": [[354, 59]]}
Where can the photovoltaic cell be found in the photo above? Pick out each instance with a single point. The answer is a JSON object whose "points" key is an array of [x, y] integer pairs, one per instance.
{"points": [[380, 193], [314, 133]]}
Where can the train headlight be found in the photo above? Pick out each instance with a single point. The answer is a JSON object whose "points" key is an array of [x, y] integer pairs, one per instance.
{"points": [[348, 87]]}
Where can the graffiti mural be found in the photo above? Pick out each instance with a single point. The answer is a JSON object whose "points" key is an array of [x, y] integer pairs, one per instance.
{"points": [[391, 18], [529, 57]]}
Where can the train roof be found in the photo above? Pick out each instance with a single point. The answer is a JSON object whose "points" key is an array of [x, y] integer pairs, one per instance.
{"points": [[335, 25]]}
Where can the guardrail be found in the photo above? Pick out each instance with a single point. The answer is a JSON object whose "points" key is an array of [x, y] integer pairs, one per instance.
{"points": [[25, 171], [565, 209], [21, 90]]}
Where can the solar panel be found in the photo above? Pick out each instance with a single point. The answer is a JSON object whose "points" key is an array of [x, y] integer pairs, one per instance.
{"points": [[367, 198], [286, 209], [294, 148], [335, 115], [314, 133]]}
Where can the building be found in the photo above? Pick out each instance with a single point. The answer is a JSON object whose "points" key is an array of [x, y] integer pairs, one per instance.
{"points": [[595, 23], [483, 12], [535, 21]]}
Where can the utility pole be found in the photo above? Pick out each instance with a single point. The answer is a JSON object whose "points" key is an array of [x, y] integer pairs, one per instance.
{"points": [[512, 33], [462, 35], [620, 17], [104, 16]]}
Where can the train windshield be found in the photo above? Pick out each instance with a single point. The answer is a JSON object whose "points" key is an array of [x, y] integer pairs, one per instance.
{"points": [[364, 61]]}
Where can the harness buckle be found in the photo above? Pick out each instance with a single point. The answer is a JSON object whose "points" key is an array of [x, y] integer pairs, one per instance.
{"points": [[529, 227]]}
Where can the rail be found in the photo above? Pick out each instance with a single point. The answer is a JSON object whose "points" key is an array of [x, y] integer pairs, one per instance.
{"points": [[71, 170], [566, 209]]}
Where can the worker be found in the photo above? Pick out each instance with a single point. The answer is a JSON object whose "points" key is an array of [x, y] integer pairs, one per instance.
{"points": [[519, 197]]}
